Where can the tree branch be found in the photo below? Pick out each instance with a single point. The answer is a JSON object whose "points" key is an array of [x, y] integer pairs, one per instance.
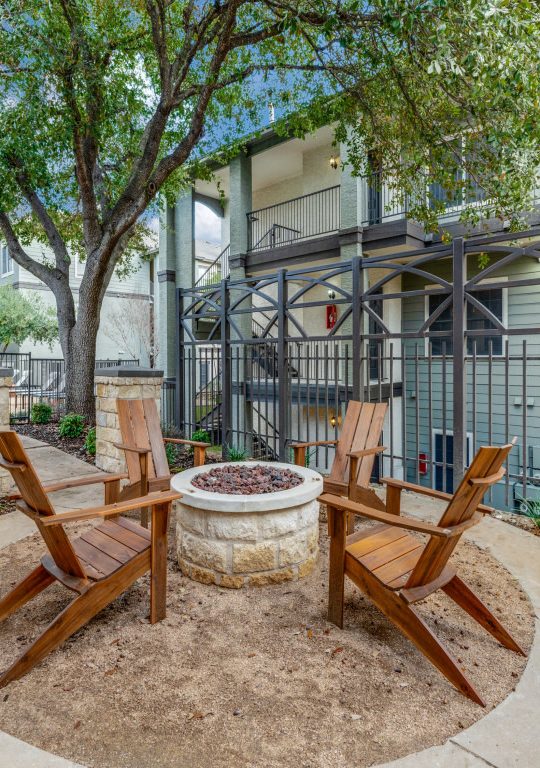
{"points": [[53, 235], [48, 276]]}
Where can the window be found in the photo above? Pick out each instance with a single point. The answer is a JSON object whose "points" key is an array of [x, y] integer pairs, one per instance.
{"points": [[492, 299], [471, 192], [79, 266], [6, 261]]}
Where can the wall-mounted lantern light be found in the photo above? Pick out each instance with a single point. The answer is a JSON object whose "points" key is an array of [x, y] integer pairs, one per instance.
{"points": [[334, 162]]}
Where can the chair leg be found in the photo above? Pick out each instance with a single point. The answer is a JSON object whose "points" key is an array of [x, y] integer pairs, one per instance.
{"points": [[466, 599], [158, 579], [337, 524], [25, 590], [78, 613], [413, 626]]}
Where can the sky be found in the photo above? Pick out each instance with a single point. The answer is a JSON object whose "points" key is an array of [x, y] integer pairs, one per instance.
{"points": [[207, 224]]}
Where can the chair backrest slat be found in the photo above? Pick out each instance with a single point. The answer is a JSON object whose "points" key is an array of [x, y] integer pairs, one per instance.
{"points": [[155, 437], [35, 498], [464, 503], [132, 421], [362, 428]]}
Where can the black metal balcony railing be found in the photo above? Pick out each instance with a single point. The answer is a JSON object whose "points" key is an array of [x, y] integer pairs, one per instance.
{"points": [[218, 270], [293, 220]]}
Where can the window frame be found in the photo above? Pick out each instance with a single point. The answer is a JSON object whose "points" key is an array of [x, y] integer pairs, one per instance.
{"points": [[4, 253], [504, 319]]}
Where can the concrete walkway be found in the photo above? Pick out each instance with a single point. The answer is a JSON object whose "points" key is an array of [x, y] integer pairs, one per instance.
{"points": [[507, 737], [52, 465]]}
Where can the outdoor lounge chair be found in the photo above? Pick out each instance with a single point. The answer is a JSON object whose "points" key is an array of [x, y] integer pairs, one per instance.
{"points": [[395, 569], [356, 449], [144, 446], [98, 566]]}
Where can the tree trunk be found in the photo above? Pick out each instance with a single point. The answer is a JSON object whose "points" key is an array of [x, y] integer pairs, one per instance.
{"points": [[80, 356]]}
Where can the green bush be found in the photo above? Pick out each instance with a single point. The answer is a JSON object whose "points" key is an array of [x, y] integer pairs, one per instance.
{"points": [[90, 442], [71, 425], [236, 454], [40, 413], [532, 510], [201, 436], [171, 451]]}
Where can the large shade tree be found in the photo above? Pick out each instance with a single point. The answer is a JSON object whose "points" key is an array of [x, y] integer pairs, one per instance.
{"points": [[108, 104]]}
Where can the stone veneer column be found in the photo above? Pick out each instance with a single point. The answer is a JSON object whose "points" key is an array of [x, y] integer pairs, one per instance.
{"points": [[6, 382], [124, 383]]}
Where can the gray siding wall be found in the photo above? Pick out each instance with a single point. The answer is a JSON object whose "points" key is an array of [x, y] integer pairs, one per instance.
{"points": [[499, 397]]}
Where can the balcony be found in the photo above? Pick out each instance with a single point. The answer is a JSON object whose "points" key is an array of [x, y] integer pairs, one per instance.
{"points": [[292, 221]]}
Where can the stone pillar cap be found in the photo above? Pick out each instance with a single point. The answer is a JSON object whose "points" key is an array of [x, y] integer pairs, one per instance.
{"points": [[130, 372]]}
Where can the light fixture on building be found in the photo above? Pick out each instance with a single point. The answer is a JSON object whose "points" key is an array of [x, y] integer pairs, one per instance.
{"points": [[334, 162], [333, 420], [331, 294]]}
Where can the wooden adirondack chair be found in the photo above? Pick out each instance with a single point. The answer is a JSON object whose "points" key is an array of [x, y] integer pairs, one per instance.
{"points": [[395, 569], [144, 446], [356, 448], [98, 566]]}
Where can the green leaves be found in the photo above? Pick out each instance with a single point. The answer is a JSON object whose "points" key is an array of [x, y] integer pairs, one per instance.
{"points": [[23, 318]]}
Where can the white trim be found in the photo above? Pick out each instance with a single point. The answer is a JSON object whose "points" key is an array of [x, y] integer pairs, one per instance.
{"points": [[447, 433], [504, 319], [78, 266], [4, 250]]}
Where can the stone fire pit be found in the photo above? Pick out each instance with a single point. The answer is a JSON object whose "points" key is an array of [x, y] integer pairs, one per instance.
{"points": [[236, 539]]}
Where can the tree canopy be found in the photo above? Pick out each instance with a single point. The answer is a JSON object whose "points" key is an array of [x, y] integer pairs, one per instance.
{"points": [[108, 105], [23, 318]]}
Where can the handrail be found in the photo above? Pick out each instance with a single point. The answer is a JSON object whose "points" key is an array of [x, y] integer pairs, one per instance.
{"points": [[213, 267], [299, 218]]}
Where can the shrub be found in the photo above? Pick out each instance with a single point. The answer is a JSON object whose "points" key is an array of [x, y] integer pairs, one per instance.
{"points": [[71, 425], [171, 451], [201, 436], [40, 413], [169, 429], [236, 454], [90, 442], [532, 510]]}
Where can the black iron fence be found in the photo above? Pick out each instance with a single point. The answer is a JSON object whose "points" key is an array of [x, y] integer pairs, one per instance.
{"points": [[293, 220], [448, 336], [41, 380]]}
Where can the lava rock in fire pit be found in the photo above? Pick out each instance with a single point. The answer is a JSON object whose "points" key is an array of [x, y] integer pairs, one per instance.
{"points": [[247, 480]]}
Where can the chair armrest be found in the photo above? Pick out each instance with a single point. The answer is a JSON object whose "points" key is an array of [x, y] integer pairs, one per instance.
{"points": [[338, 502], [195, 443], [366, 452], [422, 489], [335, 486], [132, 448], [110, 510], [313, 443], [489, 479], [75, 482]]}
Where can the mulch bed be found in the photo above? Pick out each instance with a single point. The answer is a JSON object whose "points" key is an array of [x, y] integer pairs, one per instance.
{"points": [[49, 434]]}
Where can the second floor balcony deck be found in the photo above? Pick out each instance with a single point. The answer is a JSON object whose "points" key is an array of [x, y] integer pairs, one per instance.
{"points": [[318, 214]]}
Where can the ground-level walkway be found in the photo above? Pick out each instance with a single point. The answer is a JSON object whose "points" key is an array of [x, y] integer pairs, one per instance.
{"points": [[507, 737]]}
